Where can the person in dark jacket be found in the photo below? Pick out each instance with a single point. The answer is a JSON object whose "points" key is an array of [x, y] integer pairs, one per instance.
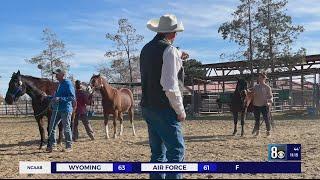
{"points": [[83, 99], [162, 105]]}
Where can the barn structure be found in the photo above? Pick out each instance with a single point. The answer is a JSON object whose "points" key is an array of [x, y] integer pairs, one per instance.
{"points": [[294, 86]]}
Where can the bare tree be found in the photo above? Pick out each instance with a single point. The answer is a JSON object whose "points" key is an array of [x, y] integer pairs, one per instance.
{"points": [[53, 56], [118, 70], [123, 57]]}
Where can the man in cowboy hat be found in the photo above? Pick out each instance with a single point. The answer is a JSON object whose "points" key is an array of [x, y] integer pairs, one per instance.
{"points": [[161, 101], [62, 109], [263, 99]]}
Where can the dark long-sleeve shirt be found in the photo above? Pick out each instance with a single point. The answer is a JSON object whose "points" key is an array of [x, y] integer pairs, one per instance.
{"points": [[83, 99], [67, 97]]}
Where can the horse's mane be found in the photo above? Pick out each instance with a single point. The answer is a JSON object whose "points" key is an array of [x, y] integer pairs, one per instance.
{"points": [[104, 80], [31, 81], [237, 87], [32, 85], [35, 78]]}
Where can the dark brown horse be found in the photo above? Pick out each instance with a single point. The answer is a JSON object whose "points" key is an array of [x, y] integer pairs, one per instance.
{"points": [[241, 102], [37, 89], [115, 102]]}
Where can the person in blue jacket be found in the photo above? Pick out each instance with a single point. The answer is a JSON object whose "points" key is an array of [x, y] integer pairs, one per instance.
{"points": [[62, 109]]}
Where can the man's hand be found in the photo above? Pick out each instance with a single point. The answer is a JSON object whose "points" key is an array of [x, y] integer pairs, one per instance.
{"points": [[269, 102], [184, 55], [182, 117], [56, 99]]}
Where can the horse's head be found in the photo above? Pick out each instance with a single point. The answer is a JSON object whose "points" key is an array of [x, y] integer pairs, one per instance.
{"points": [[96, 83], [16, 88], [242, 87]]}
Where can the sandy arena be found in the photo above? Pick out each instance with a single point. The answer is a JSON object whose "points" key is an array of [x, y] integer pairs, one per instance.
{"points": [[206, 140]]}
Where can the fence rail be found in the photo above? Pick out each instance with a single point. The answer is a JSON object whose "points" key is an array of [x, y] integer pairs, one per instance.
{"points": [[207, 104], [24, 107]]}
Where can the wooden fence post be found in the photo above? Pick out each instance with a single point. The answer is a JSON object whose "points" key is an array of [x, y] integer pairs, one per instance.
{"points": [[26, 108]]}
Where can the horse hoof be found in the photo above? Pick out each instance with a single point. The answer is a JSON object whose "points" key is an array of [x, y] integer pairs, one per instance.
{"points": [[107, 137], [242, 134], [234, 133], [42, 147], [115, 137]]}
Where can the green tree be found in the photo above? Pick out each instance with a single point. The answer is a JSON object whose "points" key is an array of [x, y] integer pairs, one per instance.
{"points": [[53, 56], [192, 70], [242, 28], [276, 33], [123, 57], [265, 31]]}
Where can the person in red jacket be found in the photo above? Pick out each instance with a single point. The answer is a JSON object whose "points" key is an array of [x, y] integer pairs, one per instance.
{"points": [[83, 99]]}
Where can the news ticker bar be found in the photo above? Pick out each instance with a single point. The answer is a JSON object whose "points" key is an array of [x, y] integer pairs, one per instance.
{"points": [[138, 167]]}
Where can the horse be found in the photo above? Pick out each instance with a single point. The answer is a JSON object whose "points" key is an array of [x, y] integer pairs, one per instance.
{"points": [[241, 101], [37, 89], [115, 102]]}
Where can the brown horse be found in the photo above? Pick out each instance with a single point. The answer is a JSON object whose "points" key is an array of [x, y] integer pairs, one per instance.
{"points": [[240, 102], [115, 102], [37, 89]]}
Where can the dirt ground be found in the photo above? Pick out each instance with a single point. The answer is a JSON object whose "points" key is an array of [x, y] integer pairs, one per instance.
{"points": [[206, 140]]}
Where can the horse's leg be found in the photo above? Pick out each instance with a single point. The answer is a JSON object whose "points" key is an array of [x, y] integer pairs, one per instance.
{"points": [[243, 117], [115, 117], [235, 121], [106, 119], [41, 130], [121, 123], [131, 116]]}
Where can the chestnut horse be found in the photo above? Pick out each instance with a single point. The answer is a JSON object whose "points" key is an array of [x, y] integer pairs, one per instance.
{"points": [[115, 102], [37, 89]]}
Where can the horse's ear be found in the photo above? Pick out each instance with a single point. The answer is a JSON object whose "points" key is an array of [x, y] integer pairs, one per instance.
{"points": [[18, 73]]}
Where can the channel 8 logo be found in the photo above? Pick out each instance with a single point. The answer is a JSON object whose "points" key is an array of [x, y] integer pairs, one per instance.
{"points": [[277, 152]]}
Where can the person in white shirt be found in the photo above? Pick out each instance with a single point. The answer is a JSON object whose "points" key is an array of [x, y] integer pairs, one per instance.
{"points": [[262, 101], [162, 103]]}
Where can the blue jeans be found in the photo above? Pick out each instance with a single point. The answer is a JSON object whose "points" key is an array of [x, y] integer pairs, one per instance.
{"points": [[65, 118], [165, 139]]}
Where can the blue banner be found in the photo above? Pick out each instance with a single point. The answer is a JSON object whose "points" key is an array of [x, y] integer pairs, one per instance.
{"points": [[187, 167]]}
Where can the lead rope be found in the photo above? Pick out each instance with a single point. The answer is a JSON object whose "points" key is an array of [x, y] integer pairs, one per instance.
{"points": [[54, 118]]}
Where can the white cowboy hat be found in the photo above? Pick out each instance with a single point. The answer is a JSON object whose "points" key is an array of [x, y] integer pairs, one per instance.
{"points": [[167, 23]]}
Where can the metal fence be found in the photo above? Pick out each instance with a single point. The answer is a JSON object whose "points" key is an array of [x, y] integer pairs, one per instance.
{"points": [[24, 107], [206, 103]]}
